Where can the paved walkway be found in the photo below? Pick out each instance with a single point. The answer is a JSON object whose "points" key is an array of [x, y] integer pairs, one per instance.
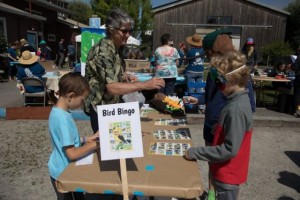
{"points": [[11, 97]]}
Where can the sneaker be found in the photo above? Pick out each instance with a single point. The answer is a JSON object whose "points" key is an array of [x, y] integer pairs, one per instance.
{"points": [[204, 196], [297, 113]]}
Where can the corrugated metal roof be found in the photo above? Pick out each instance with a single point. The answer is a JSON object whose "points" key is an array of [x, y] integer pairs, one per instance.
{"points": [[179, 2], [9, 9]]}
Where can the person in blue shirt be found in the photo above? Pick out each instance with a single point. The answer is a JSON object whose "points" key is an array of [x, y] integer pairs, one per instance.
{"points": [[67, 146], [71, 55], [181, 50], [195, 58], [45, 51], [12, 57], [29, 67]]}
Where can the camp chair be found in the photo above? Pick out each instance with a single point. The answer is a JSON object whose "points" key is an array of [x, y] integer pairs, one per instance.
{"points": [[1, 76], [199, 95], [33, 81]]}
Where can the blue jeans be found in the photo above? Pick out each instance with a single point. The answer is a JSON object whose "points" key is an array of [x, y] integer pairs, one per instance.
{"points": [[169, 86], [192, 76]]}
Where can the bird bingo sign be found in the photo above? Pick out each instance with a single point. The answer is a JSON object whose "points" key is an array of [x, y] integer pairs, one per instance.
{"points": [[120, 131]]}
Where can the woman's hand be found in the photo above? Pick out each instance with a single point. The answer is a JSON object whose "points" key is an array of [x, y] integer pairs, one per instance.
{"points": [[154, 83], [130, 78]]}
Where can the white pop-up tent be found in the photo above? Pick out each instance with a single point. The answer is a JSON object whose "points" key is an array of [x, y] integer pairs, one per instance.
{"points": [[133, 41], [78, 38]]}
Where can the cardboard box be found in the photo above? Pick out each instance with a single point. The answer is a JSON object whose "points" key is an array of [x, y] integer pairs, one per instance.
{"points": [[152, 175], [133, 65]]}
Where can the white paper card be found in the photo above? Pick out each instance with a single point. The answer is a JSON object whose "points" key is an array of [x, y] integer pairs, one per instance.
{"points": [[120, 131], [87, 160]]}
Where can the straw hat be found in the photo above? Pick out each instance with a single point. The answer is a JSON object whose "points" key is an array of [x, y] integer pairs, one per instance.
{"points": [[194, 40], [27, 58]]}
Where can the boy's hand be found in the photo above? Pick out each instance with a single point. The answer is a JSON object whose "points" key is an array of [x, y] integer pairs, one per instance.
{"points": [[93, 138], [190, 100], [186, 156]]}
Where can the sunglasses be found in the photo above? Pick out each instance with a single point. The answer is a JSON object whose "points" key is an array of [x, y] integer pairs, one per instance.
{"points": [[218, 78], [124, 31]]}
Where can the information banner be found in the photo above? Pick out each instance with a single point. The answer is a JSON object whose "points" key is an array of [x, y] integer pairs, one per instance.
{"points": [[89, 37]]}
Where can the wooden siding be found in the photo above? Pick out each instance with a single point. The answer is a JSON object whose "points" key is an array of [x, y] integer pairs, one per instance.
{"points": [[242, 12]]}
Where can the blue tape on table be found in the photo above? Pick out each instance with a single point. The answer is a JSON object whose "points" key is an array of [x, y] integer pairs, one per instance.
{"points": [[108, 192], [138, 193], [79, 190], [149, 167]]}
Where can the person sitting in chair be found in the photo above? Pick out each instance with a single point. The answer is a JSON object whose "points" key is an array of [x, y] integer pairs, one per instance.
{"points": [[29, 67]]}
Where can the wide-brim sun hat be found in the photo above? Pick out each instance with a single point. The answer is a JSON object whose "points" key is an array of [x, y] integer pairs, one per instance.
{"points": [[27, 58], [194, 40]]}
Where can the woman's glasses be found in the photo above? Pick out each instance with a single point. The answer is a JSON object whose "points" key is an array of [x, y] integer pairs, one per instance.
{"points": [[124, 31]]}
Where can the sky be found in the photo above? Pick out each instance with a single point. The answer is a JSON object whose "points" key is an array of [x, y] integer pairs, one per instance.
{"points": [[279, 4]]}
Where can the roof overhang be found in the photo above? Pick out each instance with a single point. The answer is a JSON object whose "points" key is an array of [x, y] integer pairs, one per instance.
{"points": [[221, 25], [50, 6], [9, 9], [71, 23], [178, 2]]}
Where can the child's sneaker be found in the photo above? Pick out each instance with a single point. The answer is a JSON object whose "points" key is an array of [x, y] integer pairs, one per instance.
{"points": [[204, 196]]}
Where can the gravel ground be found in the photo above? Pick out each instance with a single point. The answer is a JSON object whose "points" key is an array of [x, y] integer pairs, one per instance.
{"points": [[274, 166]]}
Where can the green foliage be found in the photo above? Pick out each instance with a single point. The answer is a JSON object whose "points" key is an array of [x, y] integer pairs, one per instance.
{"points": [[82, 11], [100, 8], [274, 50], [146, 24], [3, 44], [293, 24], [139, 10]]}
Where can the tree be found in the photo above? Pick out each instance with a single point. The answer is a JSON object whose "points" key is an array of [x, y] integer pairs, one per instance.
{"points": [[275, 50], [146, 24], [293, 24], [100, 8], [81, 11], [3, 44], [139, 10]]}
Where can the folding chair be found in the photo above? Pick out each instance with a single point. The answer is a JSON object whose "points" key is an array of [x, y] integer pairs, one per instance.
{"points": [[1, 76], [32, 81]]}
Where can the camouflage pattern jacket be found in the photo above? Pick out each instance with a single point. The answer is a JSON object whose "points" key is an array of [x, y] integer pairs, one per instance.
{"points": [[103, 66]]}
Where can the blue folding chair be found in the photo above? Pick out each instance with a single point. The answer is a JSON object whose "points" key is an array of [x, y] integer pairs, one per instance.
{"points": [[200, 95]]}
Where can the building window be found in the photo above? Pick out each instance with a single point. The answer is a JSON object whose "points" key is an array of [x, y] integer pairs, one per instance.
{"points": [[3, 27], [219, 20]]}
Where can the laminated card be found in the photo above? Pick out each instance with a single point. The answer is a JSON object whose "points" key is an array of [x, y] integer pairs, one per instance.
{"points": [[120, 131]]}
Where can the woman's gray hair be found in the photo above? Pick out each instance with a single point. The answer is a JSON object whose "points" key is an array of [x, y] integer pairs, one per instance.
{"points": [[116, 18]]}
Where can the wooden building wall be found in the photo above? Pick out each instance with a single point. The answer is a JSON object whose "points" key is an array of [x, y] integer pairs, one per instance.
{"points": [[17, 26], [242, 12]]}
